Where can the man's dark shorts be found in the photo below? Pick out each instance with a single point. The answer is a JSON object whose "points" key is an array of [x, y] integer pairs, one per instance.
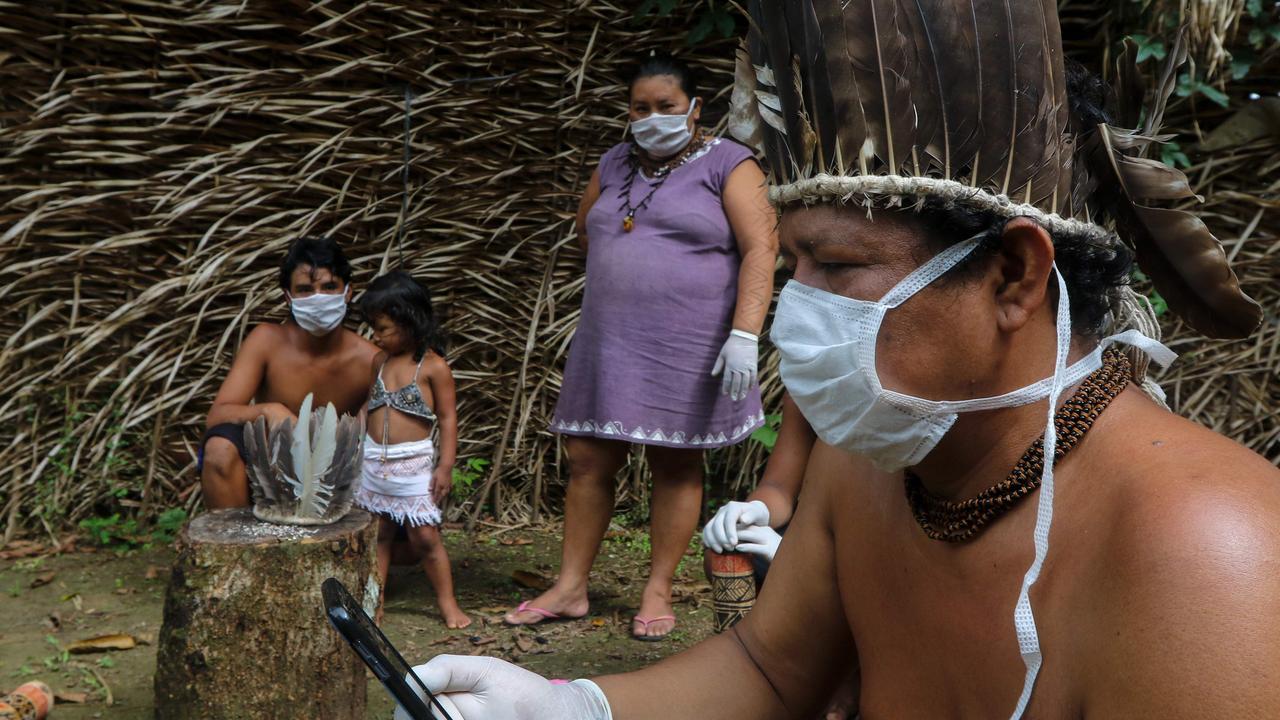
{"points": [[227, 431]]}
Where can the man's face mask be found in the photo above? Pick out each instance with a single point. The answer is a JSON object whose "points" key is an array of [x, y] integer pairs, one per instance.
{"points": [[827, 348], [321, 313]]}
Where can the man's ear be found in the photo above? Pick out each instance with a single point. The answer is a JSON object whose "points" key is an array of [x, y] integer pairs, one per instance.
{"points": [[1025, 264]]}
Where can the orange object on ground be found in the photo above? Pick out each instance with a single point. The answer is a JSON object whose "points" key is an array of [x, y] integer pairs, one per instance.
{"points": [[31, 701]]}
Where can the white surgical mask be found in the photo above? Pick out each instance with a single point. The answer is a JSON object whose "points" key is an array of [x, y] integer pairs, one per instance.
{"points": [[663, 135], [321, 313], [827, 349]]}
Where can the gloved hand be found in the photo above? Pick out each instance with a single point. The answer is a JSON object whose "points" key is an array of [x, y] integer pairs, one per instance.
{"points": [[721, 532], [737, 362], [485, 688], [757, 540]]}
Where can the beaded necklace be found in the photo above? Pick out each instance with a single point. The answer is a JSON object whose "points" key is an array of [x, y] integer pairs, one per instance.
{"points": [[960, 520], [661, 173]]}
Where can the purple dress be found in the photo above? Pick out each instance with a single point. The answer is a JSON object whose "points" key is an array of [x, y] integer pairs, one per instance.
{"points": [[657, 307]]}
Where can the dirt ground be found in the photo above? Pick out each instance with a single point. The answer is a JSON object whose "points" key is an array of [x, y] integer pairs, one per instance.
{"points": [[49, 603]]}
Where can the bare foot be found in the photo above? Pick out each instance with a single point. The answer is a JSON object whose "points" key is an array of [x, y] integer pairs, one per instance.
{"points": [[564, 602], [454, 618], [655, 620]]}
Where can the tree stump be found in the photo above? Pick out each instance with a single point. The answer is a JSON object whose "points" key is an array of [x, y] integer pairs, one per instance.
{"points": [[245, 633]]}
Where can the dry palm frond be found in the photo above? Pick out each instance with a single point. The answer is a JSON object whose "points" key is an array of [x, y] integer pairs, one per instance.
{"points": [[157, 156]]}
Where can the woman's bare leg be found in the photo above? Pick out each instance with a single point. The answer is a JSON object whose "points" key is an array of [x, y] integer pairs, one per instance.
{"points": [[676, 507], [593, 463]]}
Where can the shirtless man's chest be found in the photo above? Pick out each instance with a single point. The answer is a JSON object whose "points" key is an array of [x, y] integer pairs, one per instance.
{"points": [[933, 620], [342, 379]]}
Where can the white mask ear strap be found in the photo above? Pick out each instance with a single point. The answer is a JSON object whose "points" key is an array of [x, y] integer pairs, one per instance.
{"points": [[927, 273]]}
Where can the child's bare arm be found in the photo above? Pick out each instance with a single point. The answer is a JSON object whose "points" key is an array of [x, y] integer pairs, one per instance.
{"points": [[780, 485], [440, 380], [234, 401]]}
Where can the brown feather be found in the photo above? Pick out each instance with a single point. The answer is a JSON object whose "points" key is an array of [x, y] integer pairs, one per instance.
{"points": [[850, 122], [1185, 261]]}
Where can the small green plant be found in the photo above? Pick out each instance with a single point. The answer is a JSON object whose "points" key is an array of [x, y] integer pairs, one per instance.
{"points": [[106, 662], [1171, 154], [167, 526], [465, 477], [767, 434], [119, 533], [1148, 47], [1189, 85]]}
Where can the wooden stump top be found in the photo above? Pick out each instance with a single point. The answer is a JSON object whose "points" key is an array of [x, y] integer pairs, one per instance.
{"points": [[238, 526]]}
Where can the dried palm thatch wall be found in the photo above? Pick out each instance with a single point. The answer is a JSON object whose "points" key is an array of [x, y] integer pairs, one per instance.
{"points": [[158, 155]]}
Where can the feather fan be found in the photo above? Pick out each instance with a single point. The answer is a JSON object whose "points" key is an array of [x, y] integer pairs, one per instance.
{"points": [[304, 474]]}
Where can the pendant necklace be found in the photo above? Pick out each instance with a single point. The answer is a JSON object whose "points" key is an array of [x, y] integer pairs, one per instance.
{"points": [[660, 174]]}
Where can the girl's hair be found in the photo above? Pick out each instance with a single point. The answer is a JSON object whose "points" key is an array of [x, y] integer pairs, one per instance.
{"points": [[408, 303], [663, 64]]}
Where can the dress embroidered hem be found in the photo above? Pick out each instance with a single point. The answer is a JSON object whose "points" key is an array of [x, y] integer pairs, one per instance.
{"points": [[614, 430]]}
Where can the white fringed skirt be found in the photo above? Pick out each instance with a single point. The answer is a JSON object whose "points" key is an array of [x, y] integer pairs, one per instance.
{"points": [[396, 482]]}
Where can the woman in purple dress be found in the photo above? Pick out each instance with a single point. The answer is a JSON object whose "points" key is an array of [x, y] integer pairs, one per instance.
{"points": [[681, 251]]}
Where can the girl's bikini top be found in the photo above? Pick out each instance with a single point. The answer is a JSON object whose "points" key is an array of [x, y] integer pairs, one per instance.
{"points": [[407, 399]]}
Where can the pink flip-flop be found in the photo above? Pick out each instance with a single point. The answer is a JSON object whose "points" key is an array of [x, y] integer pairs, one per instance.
{"points": [[544, 614], [647, 622]]}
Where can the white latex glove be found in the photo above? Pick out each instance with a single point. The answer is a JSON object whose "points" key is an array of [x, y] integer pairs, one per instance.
{"points": [[485, 688], [737, 361], [756, 540], [721, 531]]}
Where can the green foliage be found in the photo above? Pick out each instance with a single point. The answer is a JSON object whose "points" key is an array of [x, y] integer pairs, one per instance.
{"points": [[1189, 85], [1171, 154], [708, 19], [767, 434], [1148, 47], [119, 533], [1157, 301], [465, 477]]}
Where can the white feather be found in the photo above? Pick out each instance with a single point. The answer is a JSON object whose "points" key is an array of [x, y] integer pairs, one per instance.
{"points": [[312, 500]]}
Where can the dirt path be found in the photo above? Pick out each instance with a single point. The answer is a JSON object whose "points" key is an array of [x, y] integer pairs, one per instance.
{"points": [[47, 604]]}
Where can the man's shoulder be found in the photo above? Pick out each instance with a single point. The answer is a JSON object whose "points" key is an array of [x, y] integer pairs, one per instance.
{"points": [[1181, 490], [1184, 596]]}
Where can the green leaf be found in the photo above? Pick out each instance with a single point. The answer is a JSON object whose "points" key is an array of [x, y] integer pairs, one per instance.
{"points": [[1148, 48], [725, 24], [1253, 7], [1158, 304], [1257, 36], [1214, 94], [1171, 154], [701, 30]]}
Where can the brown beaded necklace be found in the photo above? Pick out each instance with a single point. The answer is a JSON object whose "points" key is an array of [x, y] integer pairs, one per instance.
{"points": [[960, 520]]}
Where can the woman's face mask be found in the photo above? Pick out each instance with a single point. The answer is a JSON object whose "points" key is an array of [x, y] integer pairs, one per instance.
{"points": [[664, 130]]}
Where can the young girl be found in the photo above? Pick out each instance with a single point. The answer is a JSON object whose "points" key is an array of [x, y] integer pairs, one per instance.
{"points": [[405, 480]]}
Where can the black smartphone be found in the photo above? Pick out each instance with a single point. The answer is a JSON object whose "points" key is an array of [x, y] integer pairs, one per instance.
{"points": [[353, 623]]}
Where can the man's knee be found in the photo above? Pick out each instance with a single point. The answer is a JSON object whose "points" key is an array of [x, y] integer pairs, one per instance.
{"points": [[222, 461]]}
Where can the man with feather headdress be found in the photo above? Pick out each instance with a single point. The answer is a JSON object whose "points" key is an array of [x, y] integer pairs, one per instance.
{"points": [[961, 215]]}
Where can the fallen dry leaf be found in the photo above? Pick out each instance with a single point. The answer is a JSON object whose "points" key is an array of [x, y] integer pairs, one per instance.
{"points": [[482, 641], [101, 643], [153, 572], [598, 622], [531, 580], [75, 698], [524, 643], [43, 579], [516, 541]]}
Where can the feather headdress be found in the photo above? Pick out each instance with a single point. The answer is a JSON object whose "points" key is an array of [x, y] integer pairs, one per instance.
{"points": [[885, 101], [305, 474]]}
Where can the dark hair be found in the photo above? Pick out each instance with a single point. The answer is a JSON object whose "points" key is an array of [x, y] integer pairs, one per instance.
{"points": [[318, 252], [408, 303], [1091, 270], [663, 64]]}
